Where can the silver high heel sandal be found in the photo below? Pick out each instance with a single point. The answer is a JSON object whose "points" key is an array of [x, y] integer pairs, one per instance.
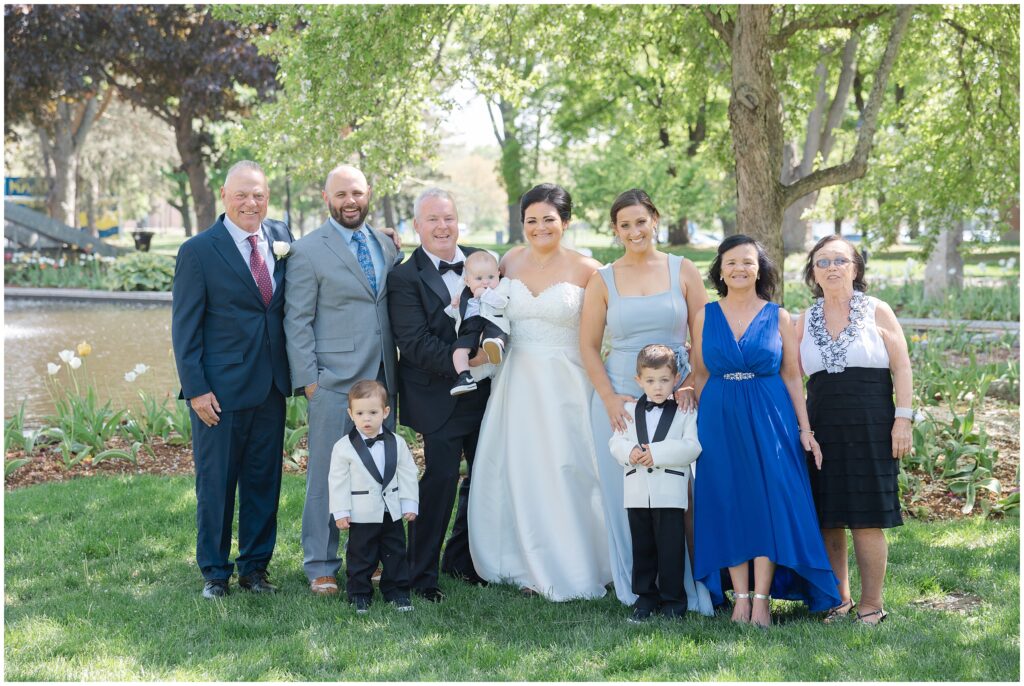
{"points": [[762, 596]]}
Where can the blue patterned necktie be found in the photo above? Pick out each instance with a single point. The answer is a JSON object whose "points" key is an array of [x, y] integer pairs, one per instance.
{"points": [[365, 262]]}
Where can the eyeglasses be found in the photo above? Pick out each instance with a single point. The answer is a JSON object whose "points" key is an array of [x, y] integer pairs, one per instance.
{"points": [[825, 263]]}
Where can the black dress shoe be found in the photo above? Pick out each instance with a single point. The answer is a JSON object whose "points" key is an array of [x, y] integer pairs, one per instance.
{"points": [[640, 615], [402, 604], [362, 604], [469, 578], [434, 595], [216, 588], [257, 582]]}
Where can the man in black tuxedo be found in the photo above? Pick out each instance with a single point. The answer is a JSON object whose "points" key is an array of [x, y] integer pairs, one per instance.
{"points": [[228, 336], [418, 293]]}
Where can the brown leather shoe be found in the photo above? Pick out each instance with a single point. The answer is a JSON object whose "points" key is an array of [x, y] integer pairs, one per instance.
{"points": [[324, 585]]}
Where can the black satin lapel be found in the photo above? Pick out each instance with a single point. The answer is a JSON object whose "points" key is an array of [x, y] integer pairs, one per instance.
{"points": [[464, 301], [390, 457], [229, 251], [640, 421], [668, 413], [432, 277], [364, 454]]}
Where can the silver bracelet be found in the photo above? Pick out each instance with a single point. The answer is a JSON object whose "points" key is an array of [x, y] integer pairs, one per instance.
{"points": [[905, 413]]}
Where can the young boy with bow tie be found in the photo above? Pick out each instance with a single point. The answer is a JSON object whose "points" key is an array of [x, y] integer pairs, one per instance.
{"points": [[656, 450], [373, 487]]}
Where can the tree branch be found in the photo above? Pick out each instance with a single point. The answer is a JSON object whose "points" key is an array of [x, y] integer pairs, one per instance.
{"points": [[494, 125], [856, 167], [724, 29], [811, 23], [835, 112]]}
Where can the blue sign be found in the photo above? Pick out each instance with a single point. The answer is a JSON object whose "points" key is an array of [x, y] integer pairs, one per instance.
{"points": [[24, 186]]}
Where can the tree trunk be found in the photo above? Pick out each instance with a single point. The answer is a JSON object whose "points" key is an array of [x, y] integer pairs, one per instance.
{"points": [[92, 194], [183, 207], [59, 151], [189, 145], [756, 126], [389, 212], [945, 268], [679, 232], [511, 166], [728, 225]]}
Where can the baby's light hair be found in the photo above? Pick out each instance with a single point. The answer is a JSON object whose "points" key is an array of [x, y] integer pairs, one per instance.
{"points": [[368, 388], [476, 260], [656, 356]]}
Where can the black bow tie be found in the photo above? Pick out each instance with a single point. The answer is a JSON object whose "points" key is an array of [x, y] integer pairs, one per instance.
{"points": [[371, 441], [652, 405], [450, 267]]}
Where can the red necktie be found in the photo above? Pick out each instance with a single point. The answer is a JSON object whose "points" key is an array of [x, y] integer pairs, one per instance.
{"points": [[259, 271]]}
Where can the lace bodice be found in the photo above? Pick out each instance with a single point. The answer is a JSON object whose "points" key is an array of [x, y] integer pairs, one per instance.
{"points": [[549, 318]]}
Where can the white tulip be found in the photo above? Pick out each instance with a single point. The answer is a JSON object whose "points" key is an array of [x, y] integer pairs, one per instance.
{"points": [[282, 248], [130, 376], [75, 362], [66, 355], [52, 368], [141, 368]]}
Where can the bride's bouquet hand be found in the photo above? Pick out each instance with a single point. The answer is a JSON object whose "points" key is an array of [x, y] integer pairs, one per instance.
{"points": [[615, 405]]}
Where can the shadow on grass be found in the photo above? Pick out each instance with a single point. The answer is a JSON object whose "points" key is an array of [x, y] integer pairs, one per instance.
{"points": [[102, 584]]}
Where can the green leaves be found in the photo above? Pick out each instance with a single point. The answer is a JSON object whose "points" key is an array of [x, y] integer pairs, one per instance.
{"points": [[141, 271]]}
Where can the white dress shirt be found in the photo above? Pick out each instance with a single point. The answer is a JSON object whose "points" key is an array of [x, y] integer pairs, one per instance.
{"points": [[241, 238], [453, 281]]}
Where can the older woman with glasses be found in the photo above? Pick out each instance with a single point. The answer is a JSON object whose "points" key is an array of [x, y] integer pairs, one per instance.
{"points": [[854, 351]]}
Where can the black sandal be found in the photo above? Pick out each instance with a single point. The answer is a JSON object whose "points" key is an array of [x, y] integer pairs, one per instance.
{"points": [[835, 615], [882, 614]]}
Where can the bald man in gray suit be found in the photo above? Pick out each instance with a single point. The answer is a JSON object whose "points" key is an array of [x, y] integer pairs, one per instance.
{"points": [[338, 332]]}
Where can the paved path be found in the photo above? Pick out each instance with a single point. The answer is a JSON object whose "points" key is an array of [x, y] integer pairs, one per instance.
{"points": [[908, 323], [88, 294]]}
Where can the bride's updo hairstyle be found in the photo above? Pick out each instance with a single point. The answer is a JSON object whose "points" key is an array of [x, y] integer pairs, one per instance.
{"points": [[549, 193], [767, 274]]}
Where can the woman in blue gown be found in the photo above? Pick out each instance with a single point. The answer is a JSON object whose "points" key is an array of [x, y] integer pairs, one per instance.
{"points": [[752, 498]]}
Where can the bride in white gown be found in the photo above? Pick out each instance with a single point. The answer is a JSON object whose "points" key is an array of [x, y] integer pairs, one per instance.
{"points": [[535, 512]]}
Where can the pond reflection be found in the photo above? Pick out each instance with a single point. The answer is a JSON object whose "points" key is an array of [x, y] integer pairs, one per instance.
{"points": [[121, 336]]}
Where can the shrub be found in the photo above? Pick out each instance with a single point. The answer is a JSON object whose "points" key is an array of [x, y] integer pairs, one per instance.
{"points": [[141, 271]]}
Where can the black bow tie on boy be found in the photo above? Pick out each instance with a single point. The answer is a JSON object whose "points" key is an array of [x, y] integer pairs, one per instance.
{"points": [[371, 441], [450, 267], [650, 405]]}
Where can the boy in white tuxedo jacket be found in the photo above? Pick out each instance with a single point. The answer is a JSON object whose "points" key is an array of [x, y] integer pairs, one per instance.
{"points": [[373, 487], [656, 450]]}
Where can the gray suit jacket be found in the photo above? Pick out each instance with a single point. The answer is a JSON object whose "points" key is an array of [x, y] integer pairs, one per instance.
{"points": [[337, 331]]}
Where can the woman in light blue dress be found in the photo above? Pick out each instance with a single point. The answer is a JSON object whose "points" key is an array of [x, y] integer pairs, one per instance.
{"points": [[646, 296]]}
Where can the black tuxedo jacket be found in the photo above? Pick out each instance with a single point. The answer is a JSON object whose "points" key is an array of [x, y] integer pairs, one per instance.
{"points": [[425, 336], [224, 339]]}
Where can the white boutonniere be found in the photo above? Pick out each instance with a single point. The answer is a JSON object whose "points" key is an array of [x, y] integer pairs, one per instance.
{"points": [[282, 249]]}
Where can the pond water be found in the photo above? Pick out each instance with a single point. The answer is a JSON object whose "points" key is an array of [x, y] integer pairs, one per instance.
{"points": [[121, 336]]}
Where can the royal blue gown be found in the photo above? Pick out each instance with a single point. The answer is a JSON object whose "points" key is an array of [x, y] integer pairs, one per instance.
{"points": [[751, 495]]}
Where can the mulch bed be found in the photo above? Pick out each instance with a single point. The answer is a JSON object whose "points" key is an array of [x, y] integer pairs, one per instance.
{"points": [[932, 501]]}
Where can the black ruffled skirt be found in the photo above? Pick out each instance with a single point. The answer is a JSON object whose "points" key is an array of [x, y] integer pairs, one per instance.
{"points": [[851, 414]]}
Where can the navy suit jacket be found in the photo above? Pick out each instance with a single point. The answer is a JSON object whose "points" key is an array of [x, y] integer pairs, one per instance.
{"points": [[224, 339]]}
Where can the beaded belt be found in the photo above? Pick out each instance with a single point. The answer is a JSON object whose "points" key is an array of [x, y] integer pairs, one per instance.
{"points": [[739, 376]]}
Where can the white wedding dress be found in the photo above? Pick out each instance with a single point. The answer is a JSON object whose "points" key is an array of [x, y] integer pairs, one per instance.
{"points": [[535, 513]]}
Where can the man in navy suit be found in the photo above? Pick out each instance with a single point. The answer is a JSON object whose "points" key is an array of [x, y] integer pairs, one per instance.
{"points": [[228, 336]]}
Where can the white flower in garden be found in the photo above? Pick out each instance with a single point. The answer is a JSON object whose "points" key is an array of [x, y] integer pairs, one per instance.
{"points": [[52, 368], [281, 249], [66, 355], [130, 376], [969, 396], [140, 369], [982, 265], [1010, 262], [75, 362], [919, 416]]}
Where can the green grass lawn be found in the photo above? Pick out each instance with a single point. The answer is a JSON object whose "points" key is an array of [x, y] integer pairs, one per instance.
{"points": [[101, 584]]}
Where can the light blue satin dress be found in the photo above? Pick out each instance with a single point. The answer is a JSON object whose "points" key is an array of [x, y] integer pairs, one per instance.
{"points": [[631, 323]]}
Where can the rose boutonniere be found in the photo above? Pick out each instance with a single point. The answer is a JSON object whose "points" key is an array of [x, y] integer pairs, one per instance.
{"points": [[282, 249]]}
